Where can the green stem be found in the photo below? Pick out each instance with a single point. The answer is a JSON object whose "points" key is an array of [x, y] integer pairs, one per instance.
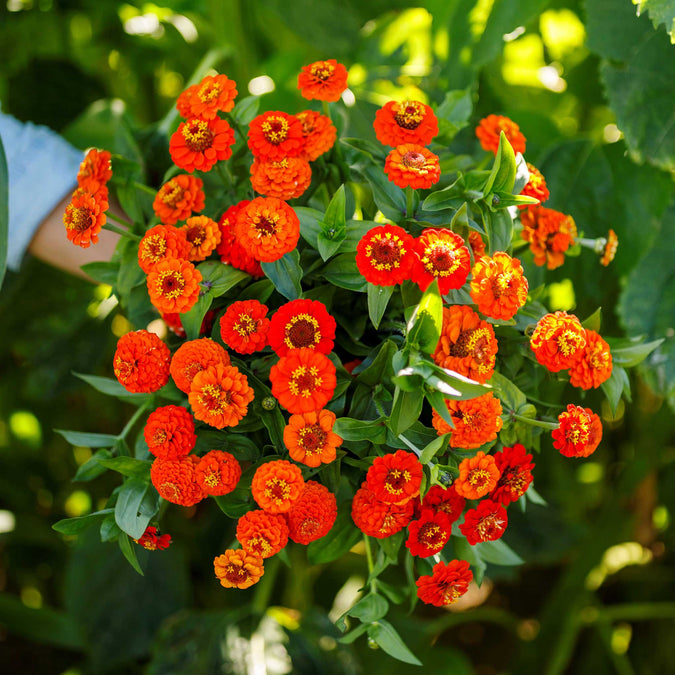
{"points": [[369, 560], [122, 232], [638, 611], [135, 417], [535, 423], [544, 403], [145, 188], [265, 586], [409, 202]]}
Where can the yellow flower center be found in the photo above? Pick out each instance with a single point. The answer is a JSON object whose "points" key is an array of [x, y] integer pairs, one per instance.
{"points": [[171, 194], [209, 92], [570, 341], [196, 234], [312, 439], [154, 248], [213, 479], [198, 137], [396, 480], [170, 284], [409, 114], [245, 325], [322, 70], [304, 381], [302, 331], [265, 226], [80, 219], [478, 478], [275, 129], [214, 399], [385, 251], [278, 490], [416, 161], [440, 259]]}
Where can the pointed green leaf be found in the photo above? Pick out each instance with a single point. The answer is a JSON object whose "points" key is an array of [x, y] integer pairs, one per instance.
{"points": [[378, 299], [406, 409], [91, 468], [385, 635], [128, 466], [285, 274], [498, 553], [75, 525], [192, 320], [129, 552], [424, 327], [502, 178], [219, 277], [86, 439], [128, 513]]}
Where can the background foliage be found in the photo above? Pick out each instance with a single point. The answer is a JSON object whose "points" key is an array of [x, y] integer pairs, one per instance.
{"points": [[591, 86]]}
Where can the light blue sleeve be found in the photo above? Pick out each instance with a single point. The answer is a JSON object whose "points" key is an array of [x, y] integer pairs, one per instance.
{"points": [[42, 171]]}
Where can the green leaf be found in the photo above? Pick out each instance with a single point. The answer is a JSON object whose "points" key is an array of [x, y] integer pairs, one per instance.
{"points": [[378, 299], [406, 409], [453, 114], [373, 150], [464, 551], [448, 197], [353, 635], [285, 274], [660, 12], [128, 513], [103, 272], [333, 225], [630, 352], [129, 551], [424, 327], [499, 229], [507, 392], [439, 444], [310, 224], [385, 635], [109, 529], [389, 198], [503, 175], [128, 466], [594, 321], [88, 440], [91, 468], [219, 277], [107, 385], [498, 553], [361, 430], [246, 109], [343, 535], [437, 402], [75, 525], [192, 320], [260, 290], [370, 608], [381, 367], [343, 272], [502, 200], [615, 386]]}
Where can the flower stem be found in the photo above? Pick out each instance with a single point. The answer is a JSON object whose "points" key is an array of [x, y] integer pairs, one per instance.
{"points": [[409, 202], [145, 188], [535, 423], [265, 586], [121, 231], [134, 418], [369, 560]]}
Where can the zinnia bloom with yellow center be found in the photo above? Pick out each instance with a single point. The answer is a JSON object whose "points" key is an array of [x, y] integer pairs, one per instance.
{"points": [[173, 285], [170, 432], [161, 242], [515, 466], [303, 381], [550, 233], [396, 477], [446, 584], [218, 473], [141, 362], [200, 143], [477, 476], [275, 135], [318, 133], [302, 324], [238, 569], [213, 93], [445, 500], [385, 255], [487, 522], [194, 356], [499, 286], [84, 218], [377, 518], [312, 514], [94, 173], [536, 186], [175, 480], [428, 535], [277, 485], [261, 533], [410, 165], [442, 255], [489, 129], [579, 433], [477, 421], [178, 198], [467, 344], [322, 80], [405, 122], [151, 541], [310, 439], [267, 228], [595, 365], [285, 179], [558, 341], [244, 326], [230, 250], [203, 235], [219, 396]]}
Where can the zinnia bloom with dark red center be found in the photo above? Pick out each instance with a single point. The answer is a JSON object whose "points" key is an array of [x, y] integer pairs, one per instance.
{"points": [[286, 179], [229, 249], [194, 356], [213, 93], [550, 233], [275, 135], [385, 255], [486, 522], [203, 235], [414, 166], [558, 341], [515, 467], [467, 344], [406, 122], [199, 143], [170, 432], [244, 326], [442, 255], [444, 500], [218, 473], [489, 129], [312, 514], [303, 381], [595, 365], [141, 362], [173, 285], [238, 569], [477, 476], [446, 584], [84, 217], [498, 286], [175, 480], [318, 133], [322, 80], [579, 433], [160, 242], [179, 198], [94, 173], [536, 186], [276, 485], [261, 533], [379, 519], [395, 477], [219, 396], [302, 324], [428, 535], [310, 439], [477, 421], [151, 541]]}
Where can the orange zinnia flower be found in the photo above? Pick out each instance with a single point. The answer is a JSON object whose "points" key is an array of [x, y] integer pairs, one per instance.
{"points": [[203, 235], [477, 421], [213, 93], [303, 381], [261, 533], [229, 249], [558, 341], [310, 439], [396, 477], [477, 476], [94, 173], [199, 143], [312, 514], [442, 255], [175, 480], [445, 500], [385, 255], [488, 132], [406, 122], [302, 323], [467, 344], [318, 133], [84, 217], [151, 541], [428, 535], [379, 519], [487, 522], [276, 485], [178, 198], [286, 179], [536, 186], [218, 473], [219, 396], [579, 433], [275, 135], [609, 250], [160, 242], [499, 286], [173, 285], [414, 166], [238, 569], [476, 244], [244, 326], [267, 229], [550, 233], [141, 362], [194, 356], [446, 584], [322, 80], [595, 365], [170, 432], [515, 466]]}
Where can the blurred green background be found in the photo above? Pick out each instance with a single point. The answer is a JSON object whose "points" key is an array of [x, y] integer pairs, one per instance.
{"points": [[591, 86]]}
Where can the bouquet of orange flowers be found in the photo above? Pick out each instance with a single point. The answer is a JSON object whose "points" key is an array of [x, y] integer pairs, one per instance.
{"points": [[336, 341]]}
